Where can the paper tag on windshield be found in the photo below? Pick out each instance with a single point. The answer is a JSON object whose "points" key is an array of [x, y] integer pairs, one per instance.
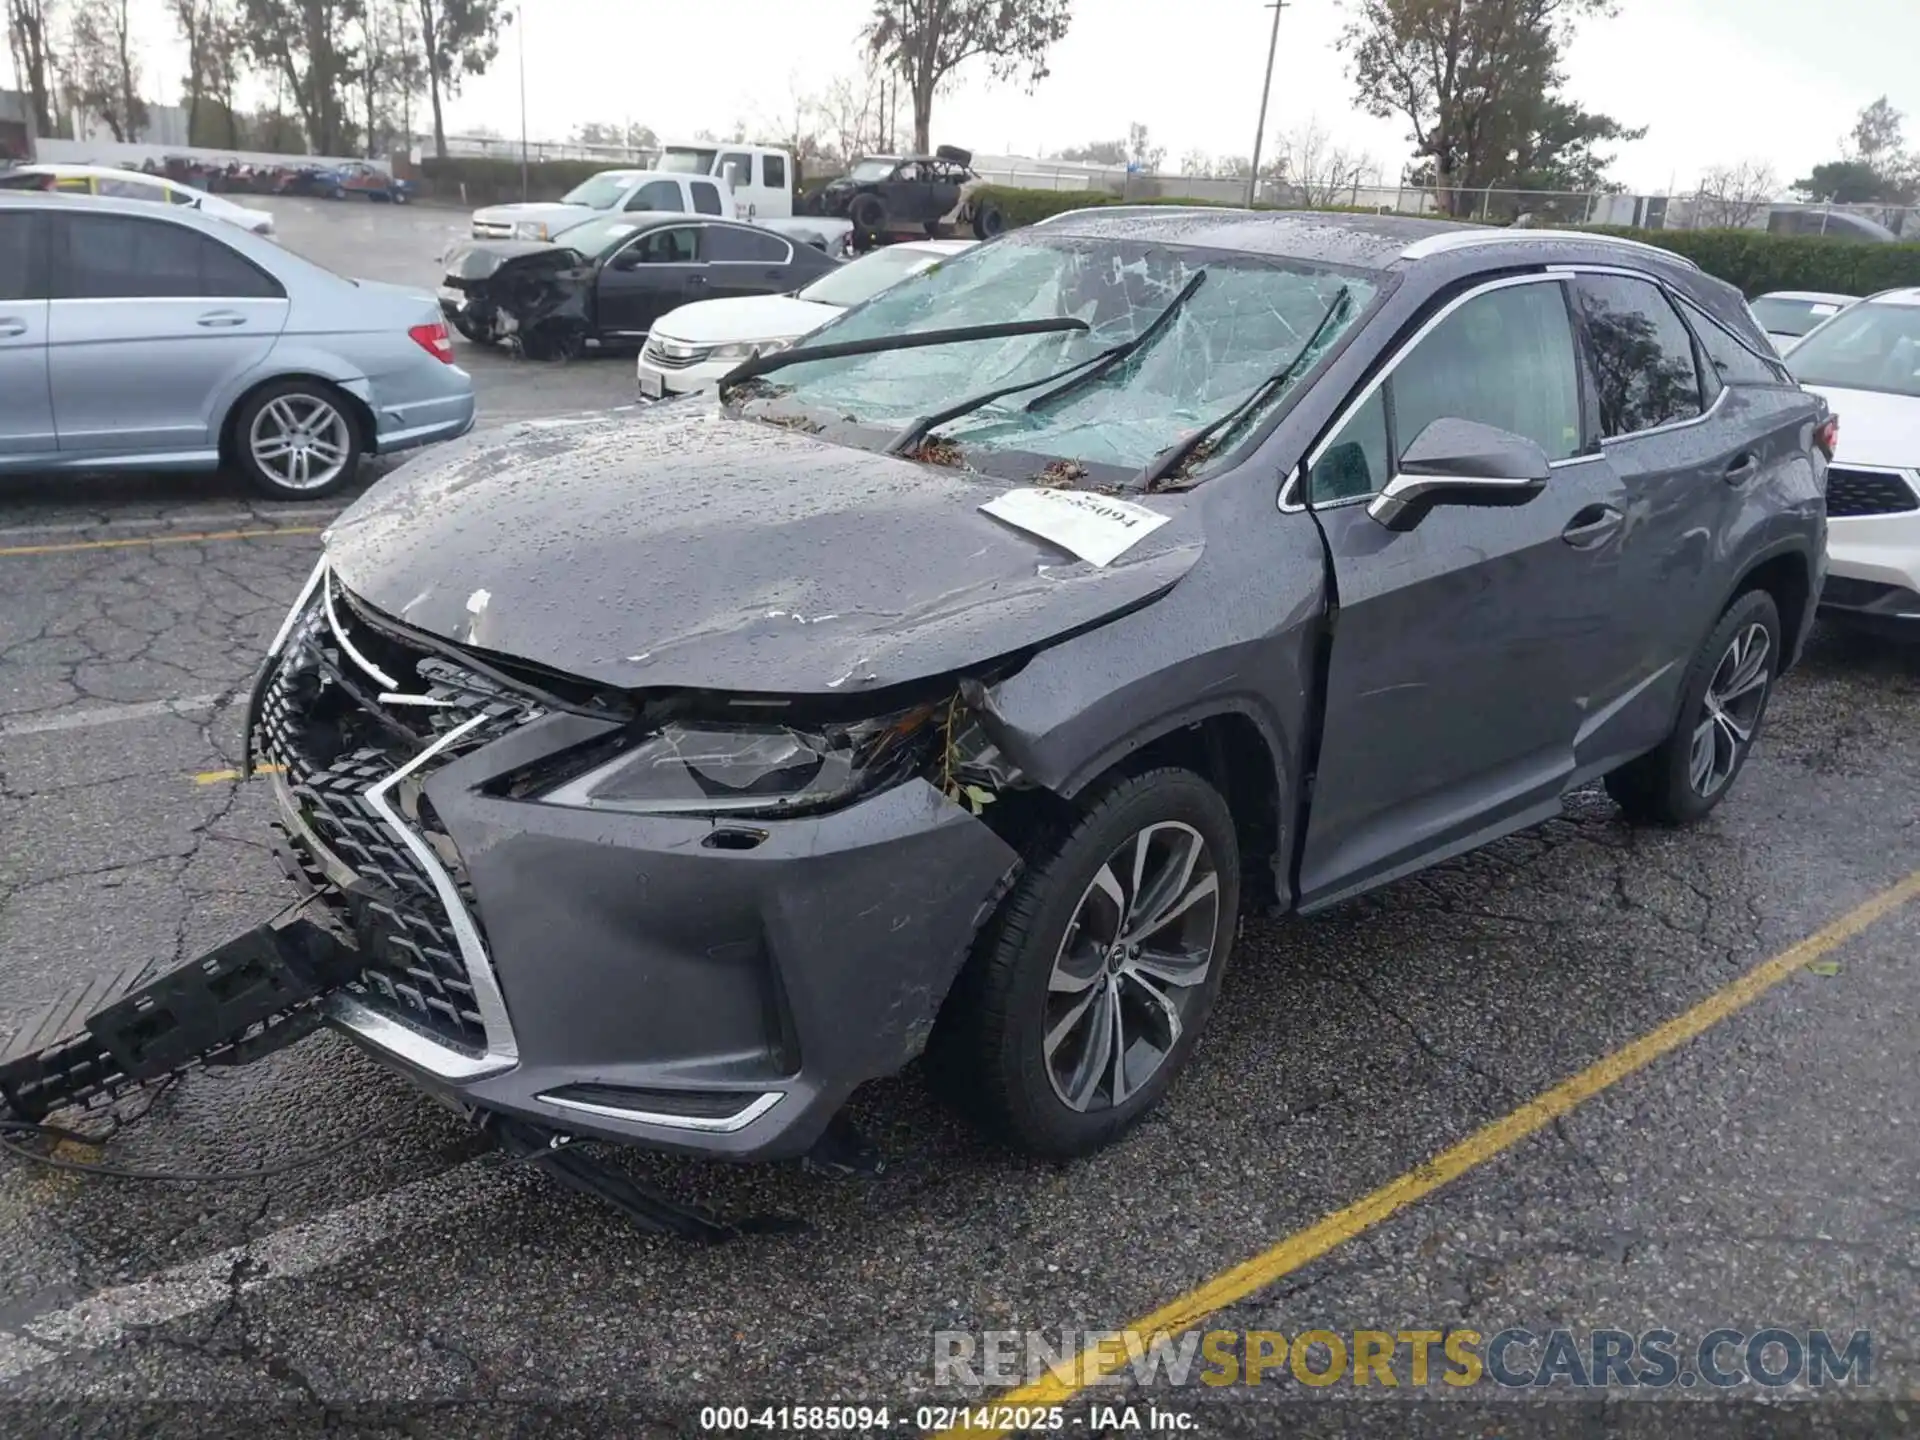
{"points": [[1097, 528], [1825, 310]]}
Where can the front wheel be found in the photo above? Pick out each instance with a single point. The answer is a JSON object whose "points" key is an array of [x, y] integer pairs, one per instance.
{"points": [[297, 439], [1088, 990], [1722, 705]]}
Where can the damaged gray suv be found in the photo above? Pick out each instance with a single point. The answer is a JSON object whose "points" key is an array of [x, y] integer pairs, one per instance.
{"points": [[951, 683]]}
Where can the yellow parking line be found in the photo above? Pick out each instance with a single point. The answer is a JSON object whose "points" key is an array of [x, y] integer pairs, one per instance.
{"points": [[216, 777], [202, 538], [1305, 1246]]}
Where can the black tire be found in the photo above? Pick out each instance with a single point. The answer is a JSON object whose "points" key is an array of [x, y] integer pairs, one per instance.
{"points": [[989, 220], [473, 332], [1661, 787], [868, 213], [303, 393], [988, 1053]]}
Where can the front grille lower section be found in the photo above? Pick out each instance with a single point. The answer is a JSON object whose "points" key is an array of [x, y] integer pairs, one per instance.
{"points": [[338, 736], [1852, 492], [676, 357]]}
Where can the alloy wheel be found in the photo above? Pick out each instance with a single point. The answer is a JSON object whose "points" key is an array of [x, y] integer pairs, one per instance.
{"points": [[1132, 967], [1730, 710], [301, 442]]}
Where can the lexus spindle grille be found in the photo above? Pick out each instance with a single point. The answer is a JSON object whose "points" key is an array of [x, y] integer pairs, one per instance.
{"points": [[1853, 492], [347, 706]]}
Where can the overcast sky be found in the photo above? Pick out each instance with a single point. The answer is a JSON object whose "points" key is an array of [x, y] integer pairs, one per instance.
{"points": [[1715, 81]]}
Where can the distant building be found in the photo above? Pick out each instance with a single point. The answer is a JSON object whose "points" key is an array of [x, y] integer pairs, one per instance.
{"points": [[16, 126]]}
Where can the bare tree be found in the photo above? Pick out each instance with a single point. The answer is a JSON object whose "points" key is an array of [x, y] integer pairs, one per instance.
{"points": [[1317, 168], [926, 41], [1142, 154], [102, 69], [390, 70], [1732, 197], [1196, 164], [858, 115], [30, 29]]}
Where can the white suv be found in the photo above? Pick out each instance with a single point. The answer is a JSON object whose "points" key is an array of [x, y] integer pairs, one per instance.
{"points": [[1866, 361]]}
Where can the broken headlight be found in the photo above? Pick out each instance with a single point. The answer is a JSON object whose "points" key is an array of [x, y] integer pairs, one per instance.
{"points": [[761, 769]]}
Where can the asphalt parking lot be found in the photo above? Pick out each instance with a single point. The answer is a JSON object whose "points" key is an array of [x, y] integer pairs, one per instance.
{"points": [[1760, 1174]]}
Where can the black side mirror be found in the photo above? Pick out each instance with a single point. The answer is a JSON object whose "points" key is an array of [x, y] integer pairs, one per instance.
{"points": [[1460, 462]]}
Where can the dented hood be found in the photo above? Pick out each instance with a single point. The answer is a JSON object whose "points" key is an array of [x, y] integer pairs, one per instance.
{"points": [[679, 547]]}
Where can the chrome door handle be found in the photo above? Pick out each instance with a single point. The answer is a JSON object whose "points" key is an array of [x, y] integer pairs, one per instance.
{"points": [[221, 320], [10, 328], [1592, 526], [1743, 469]]}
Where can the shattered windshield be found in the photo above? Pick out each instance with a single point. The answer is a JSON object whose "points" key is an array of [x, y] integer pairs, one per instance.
{"points": [[1245, 324], [602, 192]]}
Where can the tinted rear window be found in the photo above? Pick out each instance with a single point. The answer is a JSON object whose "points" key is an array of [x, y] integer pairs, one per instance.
{"points": [[18, 268], [118, 257]]}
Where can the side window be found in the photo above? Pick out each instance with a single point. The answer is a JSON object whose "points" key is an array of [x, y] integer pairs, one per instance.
{"points": [[19, 256], [677, 246], [747, 247], [656, 195], [1642, 355], [1731, 360], [1355, 463], [178, 197], [132, 190], [1505, 358], [706, 198], [736, 169], [117, 257], [74, 185], [774, 168]]}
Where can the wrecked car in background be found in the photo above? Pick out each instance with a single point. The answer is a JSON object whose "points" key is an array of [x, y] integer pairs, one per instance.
{"points": [[606, 281], [895, 197], [950, 682]]}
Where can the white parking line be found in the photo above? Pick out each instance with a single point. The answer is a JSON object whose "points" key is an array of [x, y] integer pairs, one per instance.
{"points": [[176, 520], [112, 715], [106, 1318]]}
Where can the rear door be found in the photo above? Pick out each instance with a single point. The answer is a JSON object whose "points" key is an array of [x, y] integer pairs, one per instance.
{"points": [[26, 406], [152, 324], [657, 271], [1689, 449], [742, 261], [1468, 653]]}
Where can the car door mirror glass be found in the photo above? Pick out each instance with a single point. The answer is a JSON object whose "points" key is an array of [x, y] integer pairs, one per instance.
{"points": [[1461, 462]]}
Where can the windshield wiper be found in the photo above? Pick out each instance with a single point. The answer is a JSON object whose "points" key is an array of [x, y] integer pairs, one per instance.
{"points": [[1169, 460], [1074, 375], [1122, 352], [913, 340]]}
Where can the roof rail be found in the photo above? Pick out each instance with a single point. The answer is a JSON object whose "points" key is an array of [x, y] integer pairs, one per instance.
{"points": [[1450, 240]]}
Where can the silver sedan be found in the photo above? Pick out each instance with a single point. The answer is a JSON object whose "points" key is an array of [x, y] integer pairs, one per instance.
{"points": [[163, 340]]}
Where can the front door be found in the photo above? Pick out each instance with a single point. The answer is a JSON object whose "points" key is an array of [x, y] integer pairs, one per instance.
{"points": [[26, 407], [1467, 653], [658, 271], [153, 325]]}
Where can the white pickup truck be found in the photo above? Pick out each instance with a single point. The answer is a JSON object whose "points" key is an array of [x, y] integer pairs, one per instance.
{"points": [[744, 182]]}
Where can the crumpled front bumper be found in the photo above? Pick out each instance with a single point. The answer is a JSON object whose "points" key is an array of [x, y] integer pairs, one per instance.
{"points": [[674, 983]]}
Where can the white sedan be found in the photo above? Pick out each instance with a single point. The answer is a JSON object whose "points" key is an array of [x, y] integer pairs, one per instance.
{"points": [[1866, 361], [691, 348], [1788, 315], [135, 185]]}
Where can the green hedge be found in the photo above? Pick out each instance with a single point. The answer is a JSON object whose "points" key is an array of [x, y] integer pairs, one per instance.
{"points": [[476, 180], [1758, 262], [1026, 207]]}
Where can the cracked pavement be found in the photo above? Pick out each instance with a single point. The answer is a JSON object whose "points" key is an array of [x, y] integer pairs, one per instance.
{"points": [[410, 1283]]}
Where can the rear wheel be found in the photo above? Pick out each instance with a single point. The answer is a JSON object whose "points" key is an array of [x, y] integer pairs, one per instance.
{"points": [[1722, 706], [989, 220], [1087, 991], [297, 439], [869, 216]]}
